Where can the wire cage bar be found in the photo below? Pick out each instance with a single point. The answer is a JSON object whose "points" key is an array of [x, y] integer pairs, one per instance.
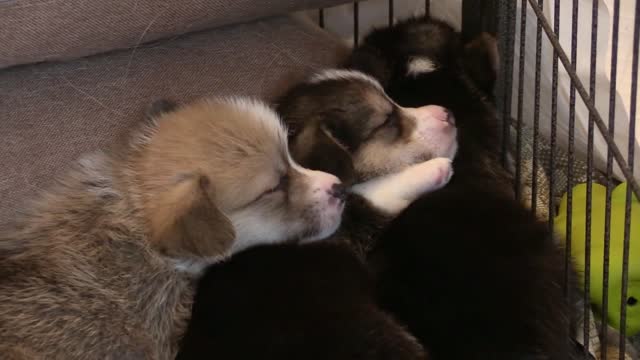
{"points": [[613, 152], [509, 20]]}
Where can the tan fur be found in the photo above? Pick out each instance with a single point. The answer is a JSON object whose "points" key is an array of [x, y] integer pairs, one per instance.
{"points": [[90, 271], [188, 209]]}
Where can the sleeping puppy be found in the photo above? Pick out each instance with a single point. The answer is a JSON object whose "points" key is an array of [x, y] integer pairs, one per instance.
{"points": [[103, 265], [469, 270], [312, 302], [343, 122]]}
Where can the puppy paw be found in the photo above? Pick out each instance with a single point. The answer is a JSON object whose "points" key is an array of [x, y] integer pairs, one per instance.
{"points": [[441, 173], [394, 192], [423, 178]]}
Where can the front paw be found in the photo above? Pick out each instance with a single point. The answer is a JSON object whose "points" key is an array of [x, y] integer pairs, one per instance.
{"points": [[394, 192], [440, 172], [424, 178]]}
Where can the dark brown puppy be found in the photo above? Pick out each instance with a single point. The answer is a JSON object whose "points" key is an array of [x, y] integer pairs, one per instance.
{"points": [[469, 269], [312, 302]]}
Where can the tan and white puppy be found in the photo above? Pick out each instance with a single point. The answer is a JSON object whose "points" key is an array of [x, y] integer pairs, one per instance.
{"points": [[103, 265]]}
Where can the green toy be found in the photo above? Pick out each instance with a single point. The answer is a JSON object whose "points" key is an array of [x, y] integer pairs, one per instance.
{"points": [[618, 200]]}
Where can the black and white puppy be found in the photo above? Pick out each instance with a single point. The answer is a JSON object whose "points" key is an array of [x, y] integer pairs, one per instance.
{"points": [[344, 122], [467, 268]]}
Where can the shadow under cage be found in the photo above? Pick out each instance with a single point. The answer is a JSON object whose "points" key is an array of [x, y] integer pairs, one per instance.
{"points": [[566, 96]]}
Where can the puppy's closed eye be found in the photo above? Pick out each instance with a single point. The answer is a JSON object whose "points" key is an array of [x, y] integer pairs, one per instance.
{"points": [[391, 120], [391, 126], [279, 188], [333, 133]]}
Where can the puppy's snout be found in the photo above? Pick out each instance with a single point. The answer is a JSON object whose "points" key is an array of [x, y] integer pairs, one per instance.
{"points": [[328, 188], [338, 191], [435, 112], [435, 130], [324, 202]]}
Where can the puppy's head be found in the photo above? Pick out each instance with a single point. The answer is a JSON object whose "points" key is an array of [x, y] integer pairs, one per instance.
{"points": [[421, 46], [423, 61], [345, 124], [215, 177]]}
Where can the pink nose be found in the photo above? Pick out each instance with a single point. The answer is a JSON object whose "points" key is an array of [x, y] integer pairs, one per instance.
{"points": [[437, 112]]}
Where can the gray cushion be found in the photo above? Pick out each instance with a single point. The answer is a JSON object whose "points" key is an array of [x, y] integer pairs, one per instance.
{"points": [[52, 113], [44, 30]]}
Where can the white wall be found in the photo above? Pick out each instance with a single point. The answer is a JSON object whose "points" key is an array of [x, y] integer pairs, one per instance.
{"points": [[603, 71]]}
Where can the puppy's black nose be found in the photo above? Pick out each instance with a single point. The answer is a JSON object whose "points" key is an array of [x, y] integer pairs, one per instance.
{"points": [[338, 191]]}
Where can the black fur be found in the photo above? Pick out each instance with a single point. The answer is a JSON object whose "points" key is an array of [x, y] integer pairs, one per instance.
{"points": [[308, 302], [385, 54], [471, 271]]}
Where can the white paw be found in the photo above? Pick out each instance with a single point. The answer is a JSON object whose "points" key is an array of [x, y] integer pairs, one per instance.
{"points": [[394, 192], [423, 178], [441, 172]]}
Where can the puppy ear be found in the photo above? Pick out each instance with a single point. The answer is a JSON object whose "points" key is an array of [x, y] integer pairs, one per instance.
{"points": [[481, 61], [185, 222], [160, 107], [328, 155]]}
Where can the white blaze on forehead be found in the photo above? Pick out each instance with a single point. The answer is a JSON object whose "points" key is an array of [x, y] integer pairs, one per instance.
{"points": [[420, 65], [337, 74]]}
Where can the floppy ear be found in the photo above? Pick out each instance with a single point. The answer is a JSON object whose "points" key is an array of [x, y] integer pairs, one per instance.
{"points": [[328, 155], [185, 222], [481, 61], [160, 107]]}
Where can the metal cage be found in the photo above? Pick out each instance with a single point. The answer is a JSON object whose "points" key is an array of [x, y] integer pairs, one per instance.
{"points": [[508, 19]]}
